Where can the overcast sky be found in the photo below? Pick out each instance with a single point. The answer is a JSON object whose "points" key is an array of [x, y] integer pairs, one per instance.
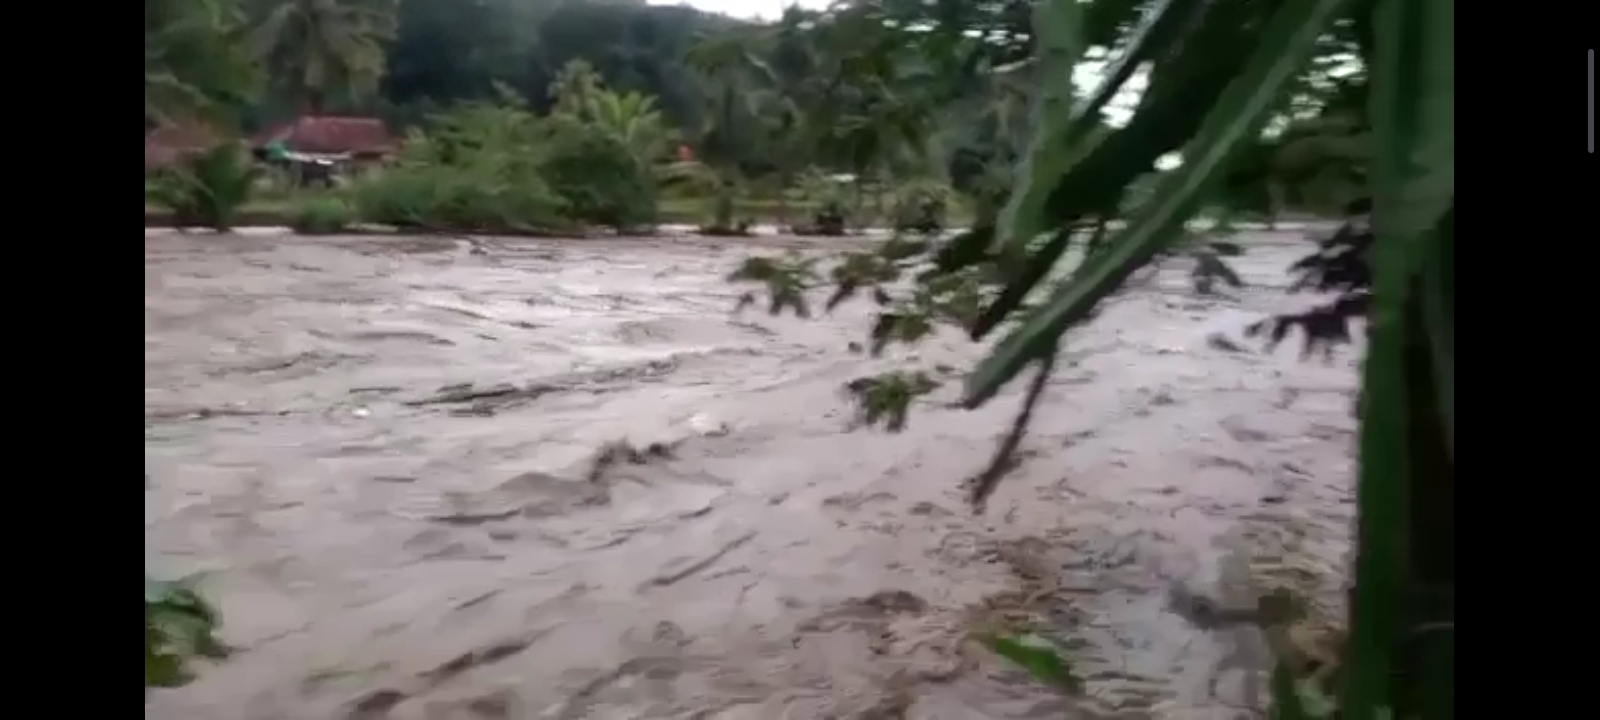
{"points": [[769, 9]]}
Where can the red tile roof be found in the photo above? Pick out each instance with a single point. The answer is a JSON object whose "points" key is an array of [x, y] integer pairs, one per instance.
{"points": [[326, 134], [167, 144]]}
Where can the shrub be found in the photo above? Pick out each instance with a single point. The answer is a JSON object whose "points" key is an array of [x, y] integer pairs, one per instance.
{"points": [[479, 197], [833, 203], [322, 215], [827, 221], [401, 196], [178, 627], [476, 168], [207, 189], [921, 205], [597, 175], [498, 167]]}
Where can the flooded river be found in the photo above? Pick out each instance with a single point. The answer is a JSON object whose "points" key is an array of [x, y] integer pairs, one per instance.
{"points": [[389, 458]]}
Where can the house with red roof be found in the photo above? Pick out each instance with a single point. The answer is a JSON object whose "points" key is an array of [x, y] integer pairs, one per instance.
{"points": [[318, 148], [354, 139]]}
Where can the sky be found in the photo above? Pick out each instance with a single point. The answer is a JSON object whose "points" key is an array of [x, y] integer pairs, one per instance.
{"points": [[765, 9]]}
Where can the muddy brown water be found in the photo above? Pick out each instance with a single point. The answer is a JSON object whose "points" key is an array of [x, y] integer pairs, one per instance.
{"points": [[381, 455]]}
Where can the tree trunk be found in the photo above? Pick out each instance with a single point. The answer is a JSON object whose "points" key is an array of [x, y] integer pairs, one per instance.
{"points": [[879, 212], [1427, 650], [1274, 204], [723, 212], [783, 197]]}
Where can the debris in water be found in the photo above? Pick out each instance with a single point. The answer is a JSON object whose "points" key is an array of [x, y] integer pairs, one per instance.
{"points": [[375, 705], [1219, 341], [618, 452], [701, 564], [483, 401]]}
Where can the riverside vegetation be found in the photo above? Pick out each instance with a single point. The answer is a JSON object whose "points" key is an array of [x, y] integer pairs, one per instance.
{"points": [[1341, 107]]}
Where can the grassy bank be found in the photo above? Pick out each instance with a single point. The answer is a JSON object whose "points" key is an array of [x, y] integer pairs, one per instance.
{"points": [[590, 182], [281, 211]]}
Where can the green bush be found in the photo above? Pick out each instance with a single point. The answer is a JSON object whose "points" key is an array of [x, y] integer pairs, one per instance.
{"points": [[498, 167], [470, 198], [178, 626], [921, 206], [322, 215], [598, 176], [206, 189], [476, 168], [833, 202]]}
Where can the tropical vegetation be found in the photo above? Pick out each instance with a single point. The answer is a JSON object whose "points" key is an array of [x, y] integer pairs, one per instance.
{"points": [[1084, 139]]}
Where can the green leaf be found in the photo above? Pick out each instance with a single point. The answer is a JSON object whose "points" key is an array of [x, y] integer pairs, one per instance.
{"points": [[1062, 141], [1439, 312], [1056, 24], [1289, 39], [178, 625], [1185, 80], [1286, 701], [1039, 657], [1414, 128], [1413, 119]]}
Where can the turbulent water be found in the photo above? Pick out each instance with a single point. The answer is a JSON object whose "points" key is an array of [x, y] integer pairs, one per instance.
{"points": [[388, 457]]}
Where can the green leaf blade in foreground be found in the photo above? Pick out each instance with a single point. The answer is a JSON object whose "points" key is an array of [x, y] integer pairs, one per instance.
{"points": [[1289, 39], [1439, 308], [1416, 159], [1056, 24], [1061, 141], [1154, 34], [1413, 120], [1192, 74]]}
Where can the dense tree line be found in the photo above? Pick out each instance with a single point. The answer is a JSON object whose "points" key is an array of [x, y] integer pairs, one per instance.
{"points": [[781, 104], [888, 88], [406, 58], [451, 50]]}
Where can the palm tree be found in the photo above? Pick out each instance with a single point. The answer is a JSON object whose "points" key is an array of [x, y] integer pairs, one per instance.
{"points": [[634, 119], [731, 75], [786, 138], [791, 54], [574, 85], [317, 47], [192, 59], [874, 111], [630, 117]]}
